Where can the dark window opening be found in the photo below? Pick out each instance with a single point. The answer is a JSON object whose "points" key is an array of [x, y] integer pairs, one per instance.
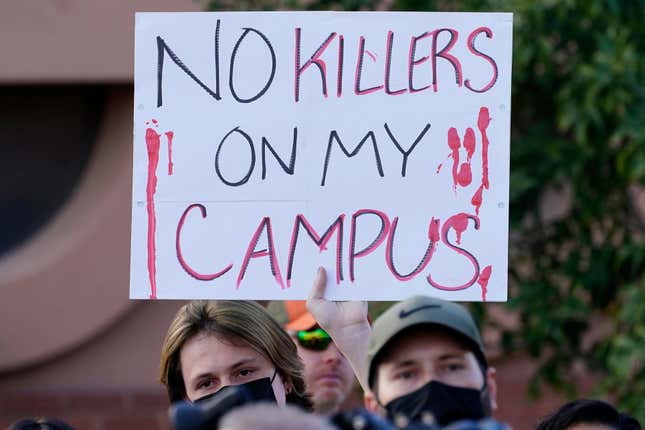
{"points": [[47, 134]]}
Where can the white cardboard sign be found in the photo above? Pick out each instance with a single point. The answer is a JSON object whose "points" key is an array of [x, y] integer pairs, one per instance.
{"points": [[373, 144]]}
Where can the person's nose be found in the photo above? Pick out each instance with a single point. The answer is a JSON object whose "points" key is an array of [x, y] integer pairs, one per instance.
{"points": [[332, 354], [224, 382], [429, 375]]}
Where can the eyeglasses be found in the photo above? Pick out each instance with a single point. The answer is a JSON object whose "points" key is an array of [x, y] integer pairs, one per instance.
{"points": [[316, 340]]}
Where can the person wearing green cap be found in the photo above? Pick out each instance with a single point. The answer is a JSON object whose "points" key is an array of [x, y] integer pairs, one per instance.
{"points": [[422, 360]]}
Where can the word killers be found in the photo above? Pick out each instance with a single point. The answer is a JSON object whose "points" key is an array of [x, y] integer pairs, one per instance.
{"points": [[437, 234]]}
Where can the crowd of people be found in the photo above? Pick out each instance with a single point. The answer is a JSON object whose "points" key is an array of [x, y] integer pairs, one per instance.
{"points": [[231, 365]]}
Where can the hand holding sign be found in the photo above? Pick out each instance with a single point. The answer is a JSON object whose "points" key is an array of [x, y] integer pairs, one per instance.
{"points": [[346, 322]]}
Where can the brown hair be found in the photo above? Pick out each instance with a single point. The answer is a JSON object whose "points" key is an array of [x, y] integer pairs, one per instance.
{"points": [[238, 321]]}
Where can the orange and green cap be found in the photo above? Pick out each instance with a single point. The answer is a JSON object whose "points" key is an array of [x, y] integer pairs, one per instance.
{"points": [[292, 315]]}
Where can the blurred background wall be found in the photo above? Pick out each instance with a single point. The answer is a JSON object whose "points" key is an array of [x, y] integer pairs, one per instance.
{"points": [[72, 345]]}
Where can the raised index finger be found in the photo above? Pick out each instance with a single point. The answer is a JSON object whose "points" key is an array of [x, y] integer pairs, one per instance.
{"points": [[320, 284]]}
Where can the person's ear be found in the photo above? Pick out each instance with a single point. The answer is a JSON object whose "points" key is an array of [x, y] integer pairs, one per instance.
{"points": [[491, 382], [371, 404], [288, 386]]}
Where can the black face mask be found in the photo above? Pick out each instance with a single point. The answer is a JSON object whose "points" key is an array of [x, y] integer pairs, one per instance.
{"points": [[205, 412], [259, 390], [445, 403]]}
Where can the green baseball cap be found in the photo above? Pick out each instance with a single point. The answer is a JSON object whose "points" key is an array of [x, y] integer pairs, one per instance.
{"points": [[418, 310]]}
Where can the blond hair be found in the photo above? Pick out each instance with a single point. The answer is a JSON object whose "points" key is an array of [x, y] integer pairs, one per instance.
{"points": [[243, 322]]}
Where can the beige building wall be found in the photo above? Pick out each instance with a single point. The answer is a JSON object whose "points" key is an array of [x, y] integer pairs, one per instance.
{"points": [[72, 344]]}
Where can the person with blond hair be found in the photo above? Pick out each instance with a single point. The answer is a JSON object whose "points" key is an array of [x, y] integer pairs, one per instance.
{"points": [[213, 344]]}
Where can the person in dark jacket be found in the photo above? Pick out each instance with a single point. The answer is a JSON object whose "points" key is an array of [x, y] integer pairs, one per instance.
{"points": [[587, 414]]}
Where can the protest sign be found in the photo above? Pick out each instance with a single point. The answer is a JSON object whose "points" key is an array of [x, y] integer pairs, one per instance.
{"points": [[373, 144]]}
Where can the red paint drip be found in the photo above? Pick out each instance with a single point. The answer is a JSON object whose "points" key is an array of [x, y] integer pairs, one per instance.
{"points": [[477, 199], [439, 168], [454, 144], [484, 277], [153, 144], [465, 175], [460, 224], [433, 231], [469, 143], [169, 136], [482, 124], [372, 56]]}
